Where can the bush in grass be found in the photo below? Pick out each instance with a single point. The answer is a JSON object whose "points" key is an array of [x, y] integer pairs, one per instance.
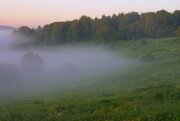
{"points": [[148, 57], [159, 96], [32, 62]]}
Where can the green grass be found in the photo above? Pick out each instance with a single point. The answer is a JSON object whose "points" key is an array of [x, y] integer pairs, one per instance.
{"points": [[147, 91]]}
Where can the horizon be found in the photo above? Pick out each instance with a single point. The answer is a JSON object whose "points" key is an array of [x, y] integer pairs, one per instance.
{"points": [[39, 13], [36, 26]]}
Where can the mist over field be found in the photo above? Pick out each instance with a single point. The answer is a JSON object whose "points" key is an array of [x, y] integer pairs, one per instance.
{"points": [[89, 60], [29, 69]]}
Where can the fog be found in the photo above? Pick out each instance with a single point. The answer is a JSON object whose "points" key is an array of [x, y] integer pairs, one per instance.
{"points": [[25, 70]]}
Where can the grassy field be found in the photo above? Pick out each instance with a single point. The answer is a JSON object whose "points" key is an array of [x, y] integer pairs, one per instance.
{"points": [[147, 91]]}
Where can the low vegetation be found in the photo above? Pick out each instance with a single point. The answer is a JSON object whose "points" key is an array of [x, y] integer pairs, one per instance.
{"points": [[148, 91]]}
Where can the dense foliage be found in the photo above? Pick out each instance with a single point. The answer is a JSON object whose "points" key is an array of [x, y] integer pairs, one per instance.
{"points": [[107, 28]]}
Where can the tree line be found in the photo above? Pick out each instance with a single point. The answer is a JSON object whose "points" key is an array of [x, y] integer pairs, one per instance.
{"points": [[107, 28]]}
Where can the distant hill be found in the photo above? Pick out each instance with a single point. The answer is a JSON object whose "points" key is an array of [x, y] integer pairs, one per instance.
{"points": [[5, 27]]}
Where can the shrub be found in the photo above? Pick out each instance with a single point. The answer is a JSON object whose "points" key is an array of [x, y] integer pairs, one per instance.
{"points": [[148, 57]]}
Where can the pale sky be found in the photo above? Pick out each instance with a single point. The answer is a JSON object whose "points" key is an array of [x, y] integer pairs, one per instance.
{"points": [[40, 12]]}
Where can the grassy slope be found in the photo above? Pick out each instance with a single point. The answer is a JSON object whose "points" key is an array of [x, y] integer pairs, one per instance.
{"points": [[148, 91]]}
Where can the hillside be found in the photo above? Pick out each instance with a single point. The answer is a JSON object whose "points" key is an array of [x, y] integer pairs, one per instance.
{"points": [[148, 91]]}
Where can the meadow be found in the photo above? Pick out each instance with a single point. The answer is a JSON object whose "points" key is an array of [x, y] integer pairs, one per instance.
{"points": [[147, 91]]}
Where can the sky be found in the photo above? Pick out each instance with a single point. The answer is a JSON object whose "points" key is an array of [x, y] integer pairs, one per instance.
{"points": [[40, 12]]}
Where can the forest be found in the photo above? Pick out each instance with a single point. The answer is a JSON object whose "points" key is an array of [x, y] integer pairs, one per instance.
{"points": [[129, 26]]}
